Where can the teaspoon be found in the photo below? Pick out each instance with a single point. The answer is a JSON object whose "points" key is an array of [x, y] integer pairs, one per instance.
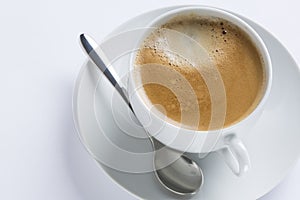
{"points": [[183, 176]]}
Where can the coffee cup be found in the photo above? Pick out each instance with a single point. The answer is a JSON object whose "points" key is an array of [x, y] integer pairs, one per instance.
{"points": [[226, 140]]}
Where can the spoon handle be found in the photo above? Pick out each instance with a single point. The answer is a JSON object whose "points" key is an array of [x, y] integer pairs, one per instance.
{"points": [[90, 46]]}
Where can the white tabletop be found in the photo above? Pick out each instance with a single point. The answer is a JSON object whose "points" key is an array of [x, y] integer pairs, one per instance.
{"points": [[41, 156]]}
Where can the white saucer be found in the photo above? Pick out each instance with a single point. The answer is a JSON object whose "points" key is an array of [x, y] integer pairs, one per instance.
{"points": [[273, 144]]}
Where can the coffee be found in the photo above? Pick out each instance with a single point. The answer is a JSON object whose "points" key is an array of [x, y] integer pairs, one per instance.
{"points": [[231, 50]]}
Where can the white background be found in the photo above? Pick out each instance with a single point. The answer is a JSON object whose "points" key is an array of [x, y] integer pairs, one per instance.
{"points": [[40, 154]]}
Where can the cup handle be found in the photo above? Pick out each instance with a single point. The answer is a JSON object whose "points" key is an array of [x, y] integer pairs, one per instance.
{"points": [[235, 154]]}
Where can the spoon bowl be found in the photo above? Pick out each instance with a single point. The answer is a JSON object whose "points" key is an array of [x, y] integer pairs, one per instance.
{"points": [[183, 176]]}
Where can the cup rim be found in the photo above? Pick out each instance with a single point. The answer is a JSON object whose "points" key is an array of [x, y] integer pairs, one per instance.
{"points": [[253, 35]]}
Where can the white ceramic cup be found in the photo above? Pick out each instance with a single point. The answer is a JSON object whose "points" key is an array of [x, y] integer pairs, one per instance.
{"points": [[226, 141]]}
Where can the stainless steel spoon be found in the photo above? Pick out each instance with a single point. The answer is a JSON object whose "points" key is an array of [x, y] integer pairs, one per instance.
{"points": [[183, 176]]}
